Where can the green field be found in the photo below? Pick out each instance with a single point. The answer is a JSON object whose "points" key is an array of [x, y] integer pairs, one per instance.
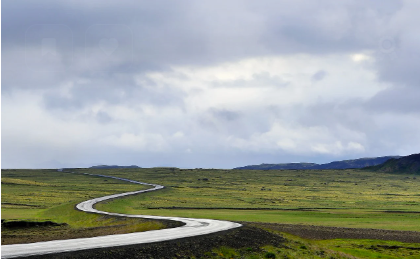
{"points": [[35, 193], [295, 247], [345, 198], [341, 198], [41, 195], [348, 198], [337, 189]]}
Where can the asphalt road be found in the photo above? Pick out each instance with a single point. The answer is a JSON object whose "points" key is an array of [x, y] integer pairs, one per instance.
{"points": [[192, 227]]}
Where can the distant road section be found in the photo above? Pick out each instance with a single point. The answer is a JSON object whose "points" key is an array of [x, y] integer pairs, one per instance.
{"points": [[192, 227]]}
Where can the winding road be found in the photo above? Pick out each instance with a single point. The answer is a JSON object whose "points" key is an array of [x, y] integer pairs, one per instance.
{"points": [[192, 227]]}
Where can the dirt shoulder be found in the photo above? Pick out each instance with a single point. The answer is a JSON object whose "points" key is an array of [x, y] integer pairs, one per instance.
{"points": [[322, 232]]}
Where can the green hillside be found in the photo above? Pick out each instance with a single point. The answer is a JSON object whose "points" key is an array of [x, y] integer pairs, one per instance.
{"points": [[408, 165]]}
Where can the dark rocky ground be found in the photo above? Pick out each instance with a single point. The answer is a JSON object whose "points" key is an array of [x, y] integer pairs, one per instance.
{"points": [[21, 231], [250, 237], [199, 247], [322, 233]]}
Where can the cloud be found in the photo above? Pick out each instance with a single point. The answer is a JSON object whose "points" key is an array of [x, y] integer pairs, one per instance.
{"points": [[318, 76], [224, 115], [215, 84], [397, 100], [262, 79]]}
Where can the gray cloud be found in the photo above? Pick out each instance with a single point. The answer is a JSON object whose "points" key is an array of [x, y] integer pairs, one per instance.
{"points": [[225, 115], [318, 76], [188, 32], [399, 100], [80, 64]]}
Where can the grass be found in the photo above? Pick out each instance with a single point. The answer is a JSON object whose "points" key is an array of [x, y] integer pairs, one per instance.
{"points": [[296, 247], [372, 248], [42, 189], [343, 198], [39, 195], [361, 219], [278, 189]]}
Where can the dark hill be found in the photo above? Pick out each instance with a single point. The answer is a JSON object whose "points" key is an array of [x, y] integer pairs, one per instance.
{"points": [[355, 163], [278, 166], [345, 164], [407, 164], [113, 166]]}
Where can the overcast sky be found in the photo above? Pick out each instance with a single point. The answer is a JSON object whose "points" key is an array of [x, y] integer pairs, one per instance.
{"points": [[212, 84]]}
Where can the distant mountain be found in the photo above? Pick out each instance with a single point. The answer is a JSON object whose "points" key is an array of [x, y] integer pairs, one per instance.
{"points": [[345, 164], [112, 166], [356, 163], [278, 166], [406, 164]]}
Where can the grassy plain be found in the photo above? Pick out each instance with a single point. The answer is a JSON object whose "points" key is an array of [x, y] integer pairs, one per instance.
{"points": [[36, 193], [295, 247], [41, 195], [342, 198], [345, 198]]}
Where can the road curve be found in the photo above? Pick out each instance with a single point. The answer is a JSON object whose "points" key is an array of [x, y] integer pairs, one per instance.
{"points": [[192, 227]]}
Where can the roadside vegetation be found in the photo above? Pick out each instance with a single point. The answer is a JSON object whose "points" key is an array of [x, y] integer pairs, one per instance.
{"points": [[328, 198]]}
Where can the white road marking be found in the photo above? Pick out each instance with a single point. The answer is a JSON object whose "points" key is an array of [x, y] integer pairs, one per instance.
{"points": [[192, 227]]}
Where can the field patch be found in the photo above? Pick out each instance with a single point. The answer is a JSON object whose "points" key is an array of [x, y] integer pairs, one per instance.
{"points": [[31, 196], [328, 198], [342, 198], [21, 182]]}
